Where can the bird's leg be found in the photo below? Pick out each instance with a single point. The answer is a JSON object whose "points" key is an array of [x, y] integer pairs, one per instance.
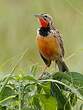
{"points": [[40, 77], [55, 64]]}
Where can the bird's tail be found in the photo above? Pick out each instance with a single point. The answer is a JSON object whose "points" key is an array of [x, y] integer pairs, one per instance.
{"points": [[62, 66]]}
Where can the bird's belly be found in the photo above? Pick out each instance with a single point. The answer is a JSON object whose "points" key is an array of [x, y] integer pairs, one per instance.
{"points": [[49, 47]]}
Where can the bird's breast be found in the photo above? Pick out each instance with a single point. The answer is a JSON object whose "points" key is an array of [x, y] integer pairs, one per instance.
{"points": [[49, 47]]}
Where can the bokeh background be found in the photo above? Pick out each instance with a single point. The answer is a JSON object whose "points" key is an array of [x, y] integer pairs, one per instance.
{"points": [[18, 30]]}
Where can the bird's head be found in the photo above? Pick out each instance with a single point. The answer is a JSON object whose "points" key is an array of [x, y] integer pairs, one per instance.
{"points": [[45, 20]]}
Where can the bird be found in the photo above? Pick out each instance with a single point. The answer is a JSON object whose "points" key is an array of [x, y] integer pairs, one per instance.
{"points": [[50, 43]]}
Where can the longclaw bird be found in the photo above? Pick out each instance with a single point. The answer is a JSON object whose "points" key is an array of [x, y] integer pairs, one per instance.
{"points": [[50, 43]]}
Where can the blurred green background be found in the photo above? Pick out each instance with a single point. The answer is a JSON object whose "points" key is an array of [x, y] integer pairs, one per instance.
{"points": [[18, 30]]}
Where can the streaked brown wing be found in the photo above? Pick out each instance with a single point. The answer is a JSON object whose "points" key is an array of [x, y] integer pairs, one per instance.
{"points": [[57, 34], [60, 41]]}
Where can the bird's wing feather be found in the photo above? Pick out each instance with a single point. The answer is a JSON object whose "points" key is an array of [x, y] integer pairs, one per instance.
{"points": [[47, 62], [58, 35]]}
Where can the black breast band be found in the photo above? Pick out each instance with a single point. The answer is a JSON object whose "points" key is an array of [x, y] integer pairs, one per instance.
{"points": [[44, 31]]}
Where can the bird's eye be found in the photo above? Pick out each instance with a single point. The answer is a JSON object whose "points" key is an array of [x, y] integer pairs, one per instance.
{"points": [[45, 16]]}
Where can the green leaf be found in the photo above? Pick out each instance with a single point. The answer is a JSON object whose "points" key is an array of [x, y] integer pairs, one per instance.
{"points": [[47, 88], [49, 103], [36, 103], [39, 88], [8, 98], [61, 99], [75, 79], [62, 76], [3, 107], [6, 93], [73, 99], [30, 78]]}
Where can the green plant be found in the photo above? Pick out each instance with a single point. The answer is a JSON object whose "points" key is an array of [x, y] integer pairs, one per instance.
{"points": [[59, 91]]}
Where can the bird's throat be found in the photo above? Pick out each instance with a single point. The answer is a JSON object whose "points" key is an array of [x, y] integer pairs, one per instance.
{"points": [[44, 31]]}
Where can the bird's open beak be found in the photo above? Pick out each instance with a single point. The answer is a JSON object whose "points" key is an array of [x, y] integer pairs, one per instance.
{"points": [[42, 21], [38, 15]]}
